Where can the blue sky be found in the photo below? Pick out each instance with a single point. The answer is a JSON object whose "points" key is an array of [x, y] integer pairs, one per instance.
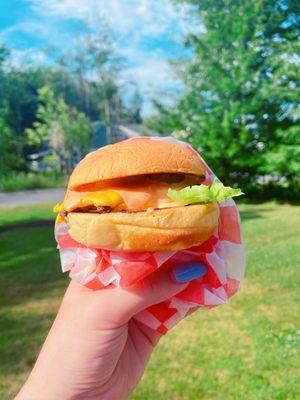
{"points": [[147, 34]]}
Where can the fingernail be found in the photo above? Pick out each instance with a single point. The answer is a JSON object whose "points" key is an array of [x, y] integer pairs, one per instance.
{"points": [[188, 272]]}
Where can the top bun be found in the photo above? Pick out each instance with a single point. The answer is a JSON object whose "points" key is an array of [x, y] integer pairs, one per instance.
{"points": [[138, 156]]}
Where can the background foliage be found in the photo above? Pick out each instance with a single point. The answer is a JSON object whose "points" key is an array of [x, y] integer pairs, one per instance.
{"points": [[241, 93], [52, 106], [238, 102]]}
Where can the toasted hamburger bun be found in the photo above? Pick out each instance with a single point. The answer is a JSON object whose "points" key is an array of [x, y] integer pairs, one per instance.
{"points": [[173, 228], [134, 157]]}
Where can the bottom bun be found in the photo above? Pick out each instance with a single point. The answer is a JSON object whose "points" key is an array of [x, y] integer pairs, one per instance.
{"points": [[173, 228]]}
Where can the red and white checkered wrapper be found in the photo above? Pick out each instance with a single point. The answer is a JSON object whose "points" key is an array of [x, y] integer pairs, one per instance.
{"points": [[223, 254]]}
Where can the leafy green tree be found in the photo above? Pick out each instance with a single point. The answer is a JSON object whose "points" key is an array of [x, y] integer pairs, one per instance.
{"points": [[65, 130], [19, 90], [84, 78], [284, 159], [239, 84], [10, 158], [84, 87], [4, 54]]}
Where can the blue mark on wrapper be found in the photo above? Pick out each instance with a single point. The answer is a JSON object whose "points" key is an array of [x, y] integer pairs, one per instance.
{"points": [[188, 272]]}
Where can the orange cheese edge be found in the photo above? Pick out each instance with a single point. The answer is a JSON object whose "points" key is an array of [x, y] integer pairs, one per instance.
{"points": [[129, 198]]}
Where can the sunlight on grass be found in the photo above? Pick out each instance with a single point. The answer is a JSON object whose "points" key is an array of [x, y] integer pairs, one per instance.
{"points": [[244, 350], [16, 215], [233, 352]]}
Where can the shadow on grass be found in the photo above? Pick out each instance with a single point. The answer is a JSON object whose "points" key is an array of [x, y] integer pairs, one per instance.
{"points": [[255, 213], [29, 265], [26, 224], [255, 201]]}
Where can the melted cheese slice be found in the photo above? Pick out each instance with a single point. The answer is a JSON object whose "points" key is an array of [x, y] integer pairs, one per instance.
{"points": [[130, 198]]}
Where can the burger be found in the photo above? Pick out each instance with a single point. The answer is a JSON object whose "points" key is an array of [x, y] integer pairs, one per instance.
{"points": [[142, 194]]}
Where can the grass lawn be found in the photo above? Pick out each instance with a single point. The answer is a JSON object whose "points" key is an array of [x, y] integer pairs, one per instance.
{"points": [[19, 215], [248, 349]]}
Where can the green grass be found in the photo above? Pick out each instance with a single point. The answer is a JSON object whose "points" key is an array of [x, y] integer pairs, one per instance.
{"points": [[30, 180], [248, 349], [19, 215]]}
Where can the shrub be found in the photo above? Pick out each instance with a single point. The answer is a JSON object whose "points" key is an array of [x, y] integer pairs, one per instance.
{"points": [[31, 180]]}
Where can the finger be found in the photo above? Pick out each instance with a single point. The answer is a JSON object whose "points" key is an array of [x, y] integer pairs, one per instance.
{"points": [[118, 305], [155, 289]]}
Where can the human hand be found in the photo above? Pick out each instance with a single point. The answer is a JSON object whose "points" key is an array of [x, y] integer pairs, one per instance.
{"points": [[95, 348]]}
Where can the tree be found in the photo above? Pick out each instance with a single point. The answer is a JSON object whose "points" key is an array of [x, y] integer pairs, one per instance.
{"points": [[105, 66], [85, 84], [284, 159], [134, 106], [65, 130], [9, 146], [93, 68], [19, 90], [4, 54], [238, 84]]}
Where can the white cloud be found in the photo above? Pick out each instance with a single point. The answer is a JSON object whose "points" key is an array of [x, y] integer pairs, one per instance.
{"points": [[146, 33], [152, 74], [25, 27], [27, 57], [144, 18]]}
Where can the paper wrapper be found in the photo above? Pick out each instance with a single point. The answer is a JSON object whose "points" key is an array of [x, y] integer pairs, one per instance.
{"points": [[223, 254]]}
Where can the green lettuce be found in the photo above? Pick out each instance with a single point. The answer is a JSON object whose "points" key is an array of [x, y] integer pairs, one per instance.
{"points": [[202, 194]]}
